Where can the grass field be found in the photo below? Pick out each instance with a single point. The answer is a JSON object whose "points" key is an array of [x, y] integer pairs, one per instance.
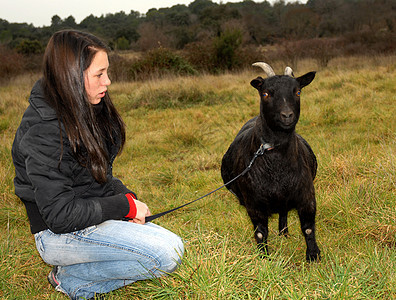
{"points": [[177, 131]]}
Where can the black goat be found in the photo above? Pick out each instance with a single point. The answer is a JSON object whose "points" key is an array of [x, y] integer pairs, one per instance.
{"points": [[282, 178]]}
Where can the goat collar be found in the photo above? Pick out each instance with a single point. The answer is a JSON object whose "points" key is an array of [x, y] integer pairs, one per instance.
{"points": [[265, 147]]}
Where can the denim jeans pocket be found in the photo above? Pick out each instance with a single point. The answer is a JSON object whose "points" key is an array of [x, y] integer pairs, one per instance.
{"points": [[60, 249], [39, 242], [85, 232]]}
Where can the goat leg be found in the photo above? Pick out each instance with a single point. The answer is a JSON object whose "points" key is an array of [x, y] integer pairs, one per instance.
{"points": [[283, 229], [261, 235], [307, 220]]}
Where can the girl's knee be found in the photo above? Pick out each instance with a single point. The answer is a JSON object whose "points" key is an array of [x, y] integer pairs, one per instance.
{"points": [[164, 246], [173, 251]]}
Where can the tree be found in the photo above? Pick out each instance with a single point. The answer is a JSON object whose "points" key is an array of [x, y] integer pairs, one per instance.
{"points": [[300, 22], [69, 22], [151, 37], [259, 22], [5, 37], [56, 21], [198, 6]]}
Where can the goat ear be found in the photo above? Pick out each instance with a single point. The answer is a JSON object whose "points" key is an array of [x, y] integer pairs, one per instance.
{"points": [[306, 79], [257, 83]]}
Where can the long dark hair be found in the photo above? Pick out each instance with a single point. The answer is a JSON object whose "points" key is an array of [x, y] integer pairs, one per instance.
{"points": [[68, 54]]}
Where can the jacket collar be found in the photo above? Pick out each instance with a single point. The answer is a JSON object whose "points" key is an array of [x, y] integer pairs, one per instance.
{"points": [[37, 101]]}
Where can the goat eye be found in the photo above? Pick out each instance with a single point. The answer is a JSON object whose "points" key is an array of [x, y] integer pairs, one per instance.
{"points": [[298, 93], [265, 95]]}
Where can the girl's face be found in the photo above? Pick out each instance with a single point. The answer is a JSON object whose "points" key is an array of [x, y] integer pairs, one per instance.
{"points": [[96, 78]]}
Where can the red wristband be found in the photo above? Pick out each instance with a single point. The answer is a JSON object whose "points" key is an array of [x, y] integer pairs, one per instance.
{"points": [[132, 206]]}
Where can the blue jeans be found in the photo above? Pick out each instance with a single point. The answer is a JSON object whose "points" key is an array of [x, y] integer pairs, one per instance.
{"points": [[108, 256]]}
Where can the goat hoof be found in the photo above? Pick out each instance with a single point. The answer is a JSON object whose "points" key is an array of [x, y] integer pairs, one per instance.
{"points": [[264, 253], [264, 256], [313, 256]]}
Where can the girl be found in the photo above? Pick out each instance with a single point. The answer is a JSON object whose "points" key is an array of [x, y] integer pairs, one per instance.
{"points": [[86, 223]]}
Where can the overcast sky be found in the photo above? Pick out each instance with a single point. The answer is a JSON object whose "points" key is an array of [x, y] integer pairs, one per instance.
{"points": [[40, 12]]}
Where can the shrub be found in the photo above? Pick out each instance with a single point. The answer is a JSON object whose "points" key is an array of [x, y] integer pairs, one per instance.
{"points": [[200, 55], [159, 62], [225, 49], [205, 56], [368, 42], [121, 43], [248, 55], [289, 51], [28, 47], [11, 63], [119, 68], [322, 50]]}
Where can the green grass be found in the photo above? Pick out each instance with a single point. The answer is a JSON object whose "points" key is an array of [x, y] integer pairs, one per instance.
{"points": [[179, 128]]}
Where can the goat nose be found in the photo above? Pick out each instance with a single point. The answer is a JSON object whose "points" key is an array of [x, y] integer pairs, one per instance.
{"points": [[287, 115]]}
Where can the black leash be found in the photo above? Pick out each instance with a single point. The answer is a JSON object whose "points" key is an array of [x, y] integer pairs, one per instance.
{"points": [[259, 152]]}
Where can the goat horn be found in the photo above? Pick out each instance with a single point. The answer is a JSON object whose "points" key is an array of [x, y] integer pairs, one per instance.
{"points": [[266, 67], [289, 72]]}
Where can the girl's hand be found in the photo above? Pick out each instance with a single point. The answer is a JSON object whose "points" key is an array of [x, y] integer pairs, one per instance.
{"points": [[142, 211]]}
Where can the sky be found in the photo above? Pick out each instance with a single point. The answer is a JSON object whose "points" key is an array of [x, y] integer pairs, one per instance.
{"points": [[40, 12]]}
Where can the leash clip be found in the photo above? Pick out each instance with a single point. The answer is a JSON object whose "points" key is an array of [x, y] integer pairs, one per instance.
{"points": [[259, 152], [263, 148]]}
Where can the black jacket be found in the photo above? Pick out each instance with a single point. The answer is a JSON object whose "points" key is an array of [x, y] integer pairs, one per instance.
{"points": [[62, 197]]}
